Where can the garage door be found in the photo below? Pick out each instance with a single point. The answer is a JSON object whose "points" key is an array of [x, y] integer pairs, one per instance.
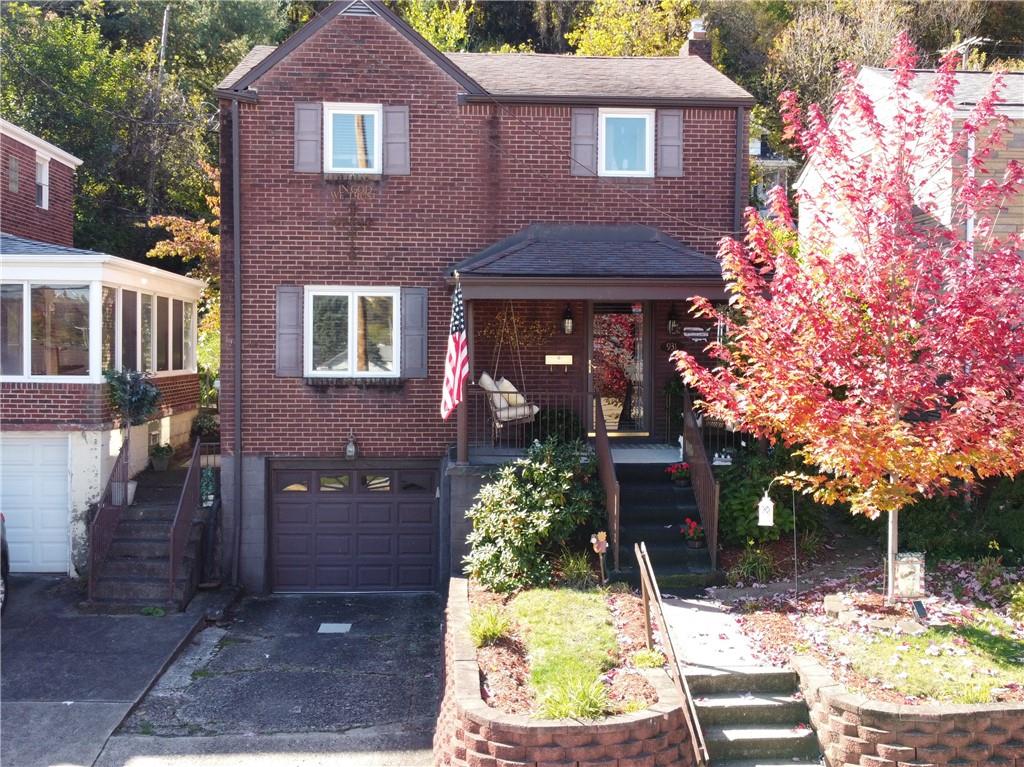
{"points": [[344, 529], [34, 500]]}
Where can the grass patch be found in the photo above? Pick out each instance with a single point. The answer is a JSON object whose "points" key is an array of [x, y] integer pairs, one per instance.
{"points": [[201, 673], [153, 612], [953, 664], [488, 624], [571, 643], [648, 659]]}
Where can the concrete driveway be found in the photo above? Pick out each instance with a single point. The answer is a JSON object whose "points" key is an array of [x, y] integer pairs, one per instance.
{"points": [[297, 680], [68, 677]]}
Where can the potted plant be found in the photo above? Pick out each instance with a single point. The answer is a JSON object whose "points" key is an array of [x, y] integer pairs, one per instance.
{"points": [[208, 486], [679, 473], [693, 533], [133, 397], [160, 457]]}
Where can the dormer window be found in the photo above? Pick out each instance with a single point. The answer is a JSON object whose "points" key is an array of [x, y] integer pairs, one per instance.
{"points": [[352, 138], [626, 142]]}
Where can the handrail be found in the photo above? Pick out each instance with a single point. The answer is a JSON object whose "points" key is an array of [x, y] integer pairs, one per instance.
{"points": [[606, 473], [181, 527], [111, 503], [705, 486], [651, 595]]}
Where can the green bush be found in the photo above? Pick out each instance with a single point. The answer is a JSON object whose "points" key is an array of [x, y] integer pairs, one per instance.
{"points": [[562, 424], [133, 396], [741, 487], [648, 659], [575, 569], [206, 427], [1017, 602], [575, 698], [488, 624], [755, 565], [529, 507]]}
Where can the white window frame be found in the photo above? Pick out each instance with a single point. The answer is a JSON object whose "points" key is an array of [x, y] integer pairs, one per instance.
{"points": [[353, 293], [603, 115], [43, 180], [348, 108]]}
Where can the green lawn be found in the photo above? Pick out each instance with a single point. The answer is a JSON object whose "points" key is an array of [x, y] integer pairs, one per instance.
{"points": [[571, 642], [954, 664]]}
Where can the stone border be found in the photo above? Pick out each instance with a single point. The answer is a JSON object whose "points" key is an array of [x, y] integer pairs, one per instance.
{"points": [[472, 734], [853, 729]]}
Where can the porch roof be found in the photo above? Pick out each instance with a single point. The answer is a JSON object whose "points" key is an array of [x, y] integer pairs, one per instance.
{"points": [[588, 261]]}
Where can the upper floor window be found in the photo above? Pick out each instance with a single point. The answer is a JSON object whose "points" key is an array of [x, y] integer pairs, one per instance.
{"points": [[626, 142], [353, 139], [13, 174], [351, 332], [42, 183]]}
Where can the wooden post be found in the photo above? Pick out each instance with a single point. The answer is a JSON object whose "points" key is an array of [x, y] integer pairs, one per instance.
{"points": [[645, 595], [461, 434]]}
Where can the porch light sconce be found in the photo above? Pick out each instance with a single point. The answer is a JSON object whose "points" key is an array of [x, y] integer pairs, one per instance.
{"points": [[673, 321], [350, 449], [567, 321]]}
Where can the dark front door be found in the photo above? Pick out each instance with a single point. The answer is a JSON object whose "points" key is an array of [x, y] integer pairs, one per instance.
{"points": [[618, 366], [338, 528]]}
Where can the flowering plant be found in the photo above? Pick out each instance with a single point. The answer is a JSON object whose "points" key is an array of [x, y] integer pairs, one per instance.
{"points": [[678, 470], [691, 530]]}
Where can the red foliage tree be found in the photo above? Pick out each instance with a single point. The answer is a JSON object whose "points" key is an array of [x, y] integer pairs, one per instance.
{"points": [[886, 341]]}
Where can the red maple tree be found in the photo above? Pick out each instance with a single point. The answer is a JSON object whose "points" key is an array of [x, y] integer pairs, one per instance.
{"points": [[885, 342]]}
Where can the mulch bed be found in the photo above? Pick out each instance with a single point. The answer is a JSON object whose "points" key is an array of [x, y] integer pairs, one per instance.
{"points": [[782, 552], [505, 668]]}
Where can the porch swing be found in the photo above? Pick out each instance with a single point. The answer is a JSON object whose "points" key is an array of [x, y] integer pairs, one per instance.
{"points": [[508, 407]]}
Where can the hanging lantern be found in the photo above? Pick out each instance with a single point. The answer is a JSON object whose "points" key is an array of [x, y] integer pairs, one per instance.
{"points": [[350, 448], [673, 321], [765, 511], [567, 321]]}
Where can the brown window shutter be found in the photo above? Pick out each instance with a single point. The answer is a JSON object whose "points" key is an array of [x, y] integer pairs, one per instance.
{"points": [[289, 331], [396, 141], [414, 332], [308, 137], [669, 151], [584, 141]]}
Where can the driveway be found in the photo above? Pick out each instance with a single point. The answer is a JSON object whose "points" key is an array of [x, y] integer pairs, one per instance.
{"points": [[297, 680], [70, 677]]}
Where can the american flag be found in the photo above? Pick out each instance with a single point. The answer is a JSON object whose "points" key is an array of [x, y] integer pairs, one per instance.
{"points": [[456, 363]]}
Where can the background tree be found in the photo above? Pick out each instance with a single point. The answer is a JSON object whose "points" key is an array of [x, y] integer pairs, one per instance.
{"points": [[883, 346], [633, 28]]}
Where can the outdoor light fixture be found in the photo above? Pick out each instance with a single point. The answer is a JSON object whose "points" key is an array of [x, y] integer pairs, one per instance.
{"points": [[350, 448], [567, 321], [765, 511], [673, 321]]}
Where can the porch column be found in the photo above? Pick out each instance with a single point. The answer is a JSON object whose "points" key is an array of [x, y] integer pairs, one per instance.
{"points": [[462, 410]]}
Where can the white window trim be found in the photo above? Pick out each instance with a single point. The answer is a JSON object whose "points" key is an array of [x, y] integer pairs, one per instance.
{"points": [[603, 115], [347, 108], [352, 292], [96, 333], [44, 163]]}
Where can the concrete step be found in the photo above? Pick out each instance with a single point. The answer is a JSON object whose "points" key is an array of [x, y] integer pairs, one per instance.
{"points": [[641, 473], [136, 568], [139, 548], [150, 511], [652, 533], [756, 708], [766, 763], [705, 682], [670, 557], [760, 741], [654, 492], [142, 528], [142, 590]]}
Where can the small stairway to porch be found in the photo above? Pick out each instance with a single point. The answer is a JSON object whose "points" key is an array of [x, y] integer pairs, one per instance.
{"points": [[135, 571], [652, 509]]}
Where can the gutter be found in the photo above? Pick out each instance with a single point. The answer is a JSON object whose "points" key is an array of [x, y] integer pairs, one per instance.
{"points": [[742, 148], [236, 348], [578, 100]]}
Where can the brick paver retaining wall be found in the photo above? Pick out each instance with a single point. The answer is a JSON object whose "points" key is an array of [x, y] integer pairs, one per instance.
{"points": [[472, 734], [855, 730]]}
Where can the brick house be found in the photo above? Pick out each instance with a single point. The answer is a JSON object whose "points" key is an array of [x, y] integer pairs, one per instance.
{"points": [[579, 201], [66, 315]]}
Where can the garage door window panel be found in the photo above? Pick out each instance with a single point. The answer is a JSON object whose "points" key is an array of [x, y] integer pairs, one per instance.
{"points": [[351, 332], [335, 483], [375, 483], [293, 482], [12, 323], [60, 330]]}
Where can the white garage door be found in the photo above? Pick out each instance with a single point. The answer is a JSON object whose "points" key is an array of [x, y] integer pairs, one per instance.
{"points": [[34, 500]]}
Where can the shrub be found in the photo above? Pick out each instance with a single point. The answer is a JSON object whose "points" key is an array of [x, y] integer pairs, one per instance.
{"points": [[755, 565], [161, 451], [575, 569], [575, 698], [562, 424], [1017, 602], [132, 395], [648, 659], [487, 625], [530, 506], [206, 427]]}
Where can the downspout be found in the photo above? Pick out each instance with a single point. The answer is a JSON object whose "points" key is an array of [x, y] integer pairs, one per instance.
{"points": [[739, 199], [236, 348]]}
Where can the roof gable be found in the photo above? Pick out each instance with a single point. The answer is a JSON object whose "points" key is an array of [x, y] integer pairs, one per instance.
{"points": [[260, 60]]}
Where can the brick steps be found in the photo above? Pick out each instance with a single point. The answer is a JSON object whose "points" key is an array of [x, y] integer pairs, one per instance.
{"points": [[735, 741], [765, 708]]}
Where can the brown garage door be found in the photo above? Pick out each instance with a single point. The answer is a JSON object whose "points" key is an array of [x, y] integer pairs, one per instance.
{"points": [[345, 529]]}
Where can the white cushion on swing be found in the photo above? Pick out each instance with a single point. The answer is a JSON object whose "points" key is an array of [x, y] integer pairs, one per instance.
{"points": [[515, 413], [510, 392], [486, 383]]}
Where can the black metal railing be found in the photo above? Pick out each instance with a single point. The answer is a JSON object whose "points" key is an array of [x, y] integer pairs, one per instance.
{"points": [[510, 422], [108, 513]]}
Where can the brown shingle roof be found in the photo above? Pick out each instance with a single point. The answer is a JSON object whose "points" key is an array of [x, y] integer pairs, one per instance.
{"points": [[537, 75], [251, 59]]}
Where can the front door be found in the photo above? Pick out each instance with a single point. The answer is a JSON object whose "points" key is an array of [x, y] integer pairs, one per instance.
{"points": [[618, 366]]}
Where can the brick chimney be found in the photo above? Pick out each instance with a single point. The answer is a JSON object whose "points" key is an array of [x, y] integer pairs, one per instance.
{"points": [[697, 43]]}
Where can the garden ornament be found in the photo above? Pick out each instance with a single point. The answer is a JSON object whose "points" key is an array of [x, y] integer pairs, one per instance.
{"points": [[600, 543]]}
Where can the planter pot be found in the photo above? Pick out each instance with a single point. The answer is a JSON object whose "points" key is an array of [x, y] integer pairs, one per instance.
{"points": [[160, 462], [696, 544], [123, 493], [681, 482]]}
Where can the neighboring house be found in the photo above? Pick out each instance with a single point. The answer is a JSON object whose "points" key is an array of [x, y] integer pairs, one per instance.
{"points": [[937, 183], [580, 200], [66, 315], [768, 168]]}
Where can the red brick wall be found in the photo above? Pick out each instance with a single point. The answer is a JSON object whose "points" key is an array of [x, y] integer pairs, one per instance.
{"points": [[479, 173], [69, 407], [18, 212]]}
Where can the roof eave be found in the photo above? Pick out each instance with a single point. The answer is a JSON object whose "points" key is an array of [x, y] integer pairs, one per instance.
{"points": [[658, 101], [545, 288], [249, 95]]}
